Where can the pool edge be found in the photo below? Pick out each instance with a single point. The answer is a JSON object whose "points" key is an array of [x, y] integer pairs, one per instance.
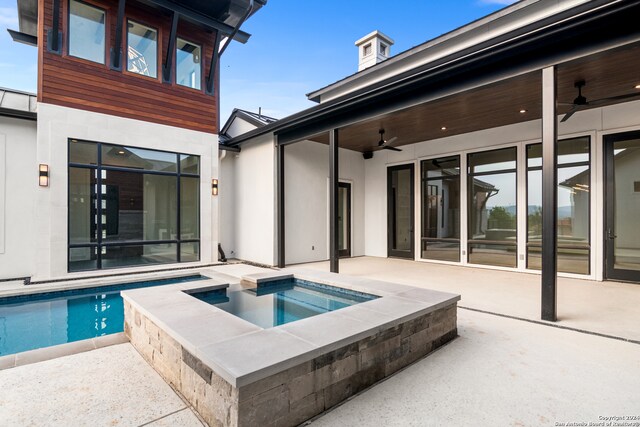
{"points": [[67, 349]]}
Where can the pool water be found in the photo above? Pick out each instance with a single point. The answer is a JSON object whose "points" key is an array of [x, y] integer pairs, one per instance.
{"points": [[283, 301], [42, 320]]}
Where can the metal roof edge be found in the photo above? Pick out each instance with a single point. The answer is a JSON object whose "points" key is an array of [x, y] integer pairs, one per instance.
{"points": [[441, 64]]}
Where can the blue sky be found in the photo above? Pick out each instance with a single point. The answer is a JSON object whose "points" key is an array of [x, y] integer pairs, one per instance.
{"points": [[297, 46]]}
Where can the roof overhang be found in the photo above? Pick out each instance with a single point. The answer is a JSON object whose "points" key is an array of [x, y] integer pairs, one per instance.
{"points": [[584, 30], [220, 15]]}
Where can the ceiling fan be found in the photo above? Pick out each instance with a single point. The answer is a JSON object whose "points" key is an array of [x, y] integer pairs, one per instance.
{"points": [[581, 102], [386, 144]]}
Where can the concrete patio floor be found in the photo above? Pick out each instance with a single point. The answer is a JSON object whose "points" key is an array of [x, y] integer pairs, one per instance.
{"points": [[499, 371], [609, 308]]}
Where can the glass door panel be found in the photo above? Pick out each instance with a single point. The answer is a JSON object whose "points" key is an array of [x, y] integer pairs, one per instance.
{"points": [[344, 219], [622, 234], [400, 211], [440, 238]]}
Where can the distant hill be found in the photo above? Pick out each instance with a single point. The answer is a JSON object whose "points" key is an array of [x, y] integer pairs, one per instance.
{"points": [[563, 211]]}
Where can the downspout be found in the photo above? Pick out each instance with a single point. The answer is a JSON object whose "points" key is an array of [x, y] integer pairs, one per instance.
{"points": [[221, 255]]}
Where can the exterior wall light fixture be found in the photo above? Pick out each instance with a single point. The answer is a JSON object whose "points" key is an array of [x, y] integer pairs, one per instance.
{"points": [[43, 176], [214, 187]]}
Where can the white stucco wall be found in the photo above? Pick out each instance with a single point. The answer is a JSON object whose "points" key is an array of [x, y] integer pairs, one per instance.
{"points": [[247, 197], [57, 124], [18, 187], [307, 200]]}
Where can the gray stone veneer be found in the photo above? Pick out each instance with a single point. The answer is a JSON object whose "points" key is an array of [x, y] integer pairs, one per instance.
{"points": [[297, 393]]}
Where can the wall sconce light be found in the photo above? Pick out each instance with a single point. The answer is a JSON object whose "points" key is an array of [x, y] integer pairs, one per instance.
{"points": [[214, 187], [43, 177]]}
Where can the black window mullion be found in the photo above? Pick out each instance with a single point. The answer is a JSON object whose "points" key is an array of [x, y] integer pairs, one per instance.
{"points": [[99, 208], [178, 206]]}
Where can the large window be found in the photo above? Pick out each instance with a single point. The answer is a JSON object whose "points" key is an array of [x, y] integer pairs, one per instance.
{"points": [[131, 206], [574, 179], [188, 68], [142, 49], [441, 209], [492, 205], [86, 32]]}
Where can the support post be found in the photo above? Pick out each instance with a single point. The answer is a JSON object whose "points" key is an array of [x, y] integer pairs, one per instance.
{"points": [[54, 36], [280, 203], [334, 261], [211, 78], [116, 50], [168, 62], [549, 195]]}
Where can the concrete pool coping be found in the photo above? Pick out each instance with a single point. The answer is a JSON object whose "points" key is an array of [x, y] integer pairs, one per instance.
{"points": [[79, 284], [220, 340], [59, 350]]}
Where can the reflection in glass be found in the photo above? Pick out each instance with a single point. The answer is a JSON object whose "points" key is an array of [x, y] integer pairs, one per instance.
{"points": [[138, 158], [343, 219], [130, 255], [441, 209], [189, 208], [82, 152], [139, 207], [492, 208], [82, 205], [190, 251], [401, 209], [626, 167], [83, 259], [188, 58], [142, 50], [86, 32], [189, 164], [125, 208], [574, 179]]}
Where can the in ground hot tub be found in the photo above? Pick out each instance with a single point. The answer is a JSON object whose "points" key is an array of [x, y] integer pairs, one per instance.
{"points": [[277, 302], [247, 352]]}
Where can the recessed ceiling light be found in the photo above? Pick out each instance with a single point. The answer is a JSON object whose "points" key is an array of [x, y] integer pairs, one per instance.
{"points": [[443, 128], [638, 86], [120, 152], [522, 111]]}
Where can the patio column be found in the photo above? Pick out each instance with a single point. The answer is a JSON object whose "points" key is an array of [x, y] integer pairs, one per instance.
{"points": [[549, 195], [333, 201], [279, 202]]}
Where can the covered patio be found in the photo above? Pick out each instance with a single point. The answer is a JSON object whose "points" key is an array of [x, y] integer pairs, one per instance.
{"points": [[571, 77]]}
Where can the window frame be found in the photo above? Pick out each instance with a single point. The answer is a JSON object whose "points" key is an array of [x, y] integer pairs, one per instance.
{"points": [[588, 163], [99, 242], [67, 36], [175, 65], [366, 47], [469, 197], [125, 48]]}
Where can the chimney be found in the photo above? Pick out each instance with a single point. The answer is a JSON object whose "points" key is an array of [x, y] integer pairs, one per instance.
{"points": [[373, 48]]}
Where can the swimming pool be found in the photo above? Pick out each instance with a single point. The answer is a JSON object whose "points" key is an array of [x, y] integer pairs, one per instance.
{"points": [[45, 319], [279, 302]]}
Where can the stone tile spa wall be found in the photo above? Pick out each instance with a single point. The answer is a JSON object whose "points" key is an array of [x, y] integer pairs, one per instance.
{"points": [[294, 395]]}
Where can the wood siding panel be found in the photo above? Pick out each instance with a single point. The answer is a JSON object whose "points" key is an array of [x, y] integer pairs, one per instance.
{"points": [[81, 84]]}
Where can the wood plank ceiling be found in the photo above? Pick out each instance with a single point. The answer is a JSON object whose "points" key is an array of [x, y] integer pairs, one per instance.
{"points": [[606, 74]]}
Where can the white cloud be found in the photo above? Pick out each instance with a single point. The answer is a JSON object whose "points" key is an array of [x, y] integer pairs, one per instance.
{"points": [[8, 17]]}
